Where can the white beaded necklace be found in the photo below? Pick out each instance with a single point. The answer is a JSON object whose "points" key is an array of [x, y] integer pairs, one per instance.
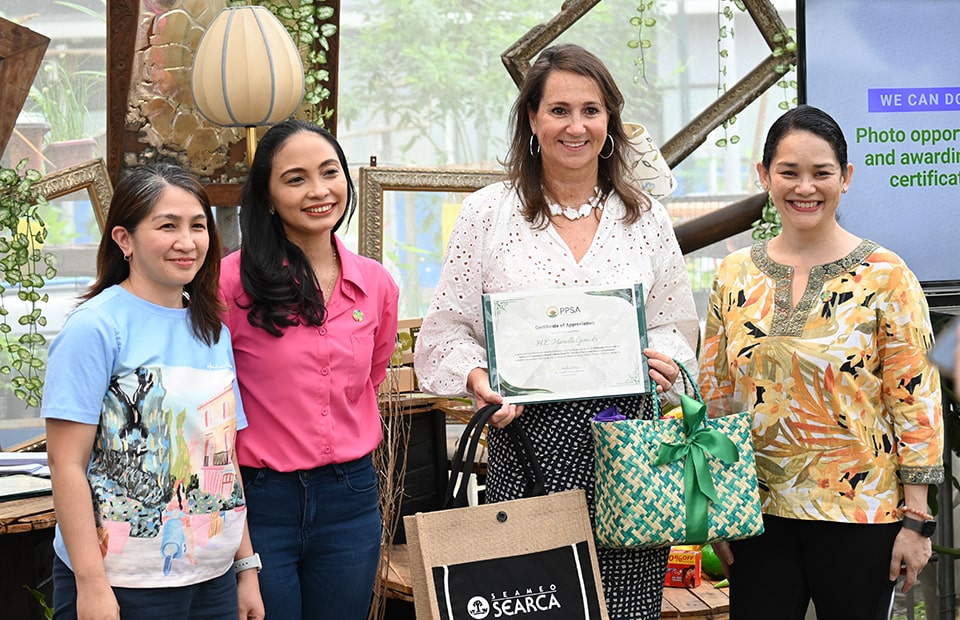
{"points": [[576, 213]]}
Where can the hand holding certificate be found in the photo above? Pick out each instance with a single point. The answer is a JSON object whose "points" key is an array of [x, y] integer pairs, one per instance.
{"points": [[566, 343]]}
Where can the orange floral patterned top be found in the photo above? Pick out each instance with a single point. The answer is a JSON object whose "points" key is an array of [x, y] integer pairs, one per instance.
{"points": [[846, 406]]}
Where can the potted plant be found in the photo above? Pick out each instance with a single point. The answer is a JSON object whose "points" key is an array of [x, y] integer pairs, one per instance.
{"points": [[61, 93]]}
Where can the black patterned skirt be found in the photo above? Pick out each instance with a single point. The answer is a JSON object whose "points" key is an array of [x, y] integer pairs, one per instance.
{"points": [[560, 433]]}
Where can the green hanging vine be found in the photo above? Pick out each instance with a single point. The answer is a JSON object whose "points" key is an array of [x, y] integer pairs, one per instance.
{"points": [[768, 226], [725, 36], [642, 22], [786, 42], [25, 268]]}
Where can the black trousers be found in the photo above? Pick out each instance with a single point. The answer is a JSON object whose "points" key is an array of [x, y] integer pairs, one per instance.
{"points": [[843, 567]]}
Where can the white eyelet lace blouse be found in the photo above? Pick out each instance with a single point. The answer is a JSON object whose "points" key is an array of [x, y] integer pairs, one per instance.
{"points": [[494, 249]]}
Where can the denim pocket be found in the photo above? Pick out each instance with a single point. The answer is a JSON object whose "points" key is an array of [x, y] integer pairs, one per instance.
{"points": [[359, 475], [252, 478]]}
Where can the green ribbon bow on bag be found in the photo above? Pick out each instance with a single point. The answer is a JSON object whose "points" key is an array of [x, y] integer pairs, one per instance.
{"points": [[697, 484]]}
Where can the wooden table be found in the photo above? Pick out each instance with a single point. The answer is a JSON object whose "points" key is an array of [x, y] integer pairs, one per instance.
{"points": [[26, 546], [702, 603], [26, 515]]}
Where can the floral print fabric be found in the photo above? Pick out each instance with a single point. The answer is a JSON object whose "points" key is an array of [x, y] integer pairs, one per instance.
{"points": [[846, 406]]}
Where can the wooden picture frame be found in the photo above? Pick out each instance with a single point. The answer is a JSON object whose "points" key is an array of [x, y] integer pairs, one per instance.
{"points": [[374, 181], [91, 176], [418, 224], [517, 59], [21, 52]]}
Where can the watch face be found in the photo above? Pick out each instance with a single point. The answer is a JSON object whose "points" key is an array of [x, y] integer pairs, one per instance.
{"points": [[925, 528]]}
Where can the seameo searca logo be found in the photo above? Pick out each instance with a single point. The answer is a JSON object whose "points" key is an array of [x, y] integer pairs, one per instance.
{"points": [[529, 601], [478, 607], [553, 312]]}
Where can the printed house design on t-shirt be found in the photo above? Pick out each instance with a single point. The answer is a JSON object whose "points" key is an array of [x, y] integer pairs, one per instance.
{"points": [[152, 473]]}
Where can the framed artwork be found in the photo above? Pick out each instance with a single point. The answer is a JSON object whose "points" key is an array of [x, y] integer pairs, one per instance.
{"points": [[406, 215], [90, 176]]}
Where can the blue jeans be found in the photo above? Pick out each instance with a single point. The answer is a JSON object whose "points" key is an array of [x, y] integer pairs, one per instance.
{"points": [[318, 535], [215, 599]]}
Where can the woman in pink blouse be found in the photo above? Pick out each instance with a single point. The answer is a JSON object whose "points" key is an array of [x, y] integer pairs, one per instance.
{"points": [[823, 335], [313, 328]]}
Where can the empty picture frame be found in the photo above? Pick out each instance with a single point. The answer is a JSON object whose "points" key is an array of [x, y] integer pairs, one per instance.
{"points": [[406, 232], [374, 181], [90, 176]]}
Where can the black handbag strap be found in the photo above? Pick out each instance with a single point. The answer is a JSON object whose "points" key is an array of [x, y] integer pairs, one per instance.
{"points": [[464, 460]]}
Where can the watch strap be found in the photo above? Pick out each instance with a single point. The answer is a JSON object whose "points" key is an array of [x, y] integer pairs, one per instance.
{"points": [[248, 563], [924, 528]]}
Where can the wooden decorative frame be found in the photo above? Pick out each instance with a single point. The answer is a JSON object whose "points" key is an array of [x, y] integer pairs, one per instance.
{"points": [[21, 52], [374, 181], [91, 176], [518, 56]]}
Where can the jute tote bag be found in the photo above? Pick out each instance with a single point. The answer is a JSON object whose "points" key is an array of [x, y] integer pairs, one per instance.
{"points": [[528, 556]]}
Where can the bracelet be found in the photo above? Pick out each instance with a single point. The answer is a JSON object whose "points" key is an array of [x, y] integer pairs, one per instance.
{"points": [[917, 513]]}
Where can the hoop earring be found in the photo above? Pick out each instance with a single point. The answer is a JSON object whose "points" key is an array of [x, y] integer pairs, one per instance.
{"points": [[126, 257], [533, 137], [613, 147]]}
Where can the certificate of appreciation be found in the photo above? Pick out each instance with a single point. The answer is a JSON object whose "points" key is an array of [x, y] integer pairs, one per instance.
{"points": [[566, 343]]}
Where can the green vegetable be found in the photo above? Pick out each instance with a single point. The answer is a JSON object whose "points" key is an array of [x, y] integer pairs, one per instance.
{"points": [[710, 563]]}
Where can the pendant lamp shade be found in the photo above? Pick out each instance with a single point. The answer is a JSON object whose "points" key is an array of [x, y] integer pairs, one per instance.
{"points": [[247, 70]]}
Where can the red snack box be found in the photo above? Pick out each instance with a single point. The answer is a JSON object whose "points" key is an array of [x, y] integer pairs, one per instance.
{"points": [[683, 568]]}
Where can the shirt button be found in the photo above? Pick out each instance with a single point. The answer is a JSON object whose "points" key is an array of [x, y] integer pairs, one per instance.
{"points": [[324, 371], [323, 331], [326, 449], [324, 411]]}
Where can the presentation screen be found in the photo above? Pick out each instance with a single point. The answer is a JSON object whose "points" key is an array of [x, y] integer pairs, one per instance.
{"points": [[889, 72]]}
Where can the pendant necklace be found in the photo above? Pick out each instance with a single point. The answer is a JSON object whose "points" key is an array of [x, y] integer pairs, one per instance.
{"points": [[574, 214], [333, 278]]}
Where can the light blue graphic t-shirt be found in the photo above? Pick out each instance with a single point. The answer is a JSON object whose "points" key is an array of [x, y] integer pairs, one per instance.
{"points": [[166, 493]]}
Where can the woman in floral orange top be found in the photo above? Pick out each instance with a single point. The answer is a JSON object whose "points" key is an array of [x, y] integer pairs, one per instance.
{"points": [[824, 336]]}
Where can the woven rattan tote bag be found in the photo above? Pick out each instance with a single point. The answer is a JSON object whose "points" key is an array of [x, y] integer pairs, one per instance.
{"points": [[674, 481]]}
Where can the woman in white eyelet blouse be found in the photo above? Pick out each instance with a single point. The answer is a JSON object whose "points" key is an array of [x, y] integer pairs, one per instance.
{"points": [[569, 215]]}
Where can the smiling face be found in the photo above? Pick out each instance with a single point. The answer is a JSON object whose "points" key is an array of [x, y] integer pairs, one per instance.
{"points": [[167, 248], [805, 180], [308, 187], [570, 123]]}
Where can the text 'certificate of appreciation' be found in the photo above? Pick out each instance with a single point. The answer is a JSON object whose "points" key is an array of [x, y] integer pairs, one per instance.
{"points": [[566, 343]]}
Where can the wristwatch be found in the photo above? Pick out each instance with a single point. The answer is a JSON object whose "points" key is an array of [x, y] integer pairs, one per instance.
{"points": [[247, 563], [925, 528]]}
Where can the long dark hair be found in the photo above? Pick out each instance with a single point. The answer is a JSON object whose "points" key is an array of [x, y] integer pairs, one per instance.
{"points": [[274, 271], [525, 169], [133, 199]]}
